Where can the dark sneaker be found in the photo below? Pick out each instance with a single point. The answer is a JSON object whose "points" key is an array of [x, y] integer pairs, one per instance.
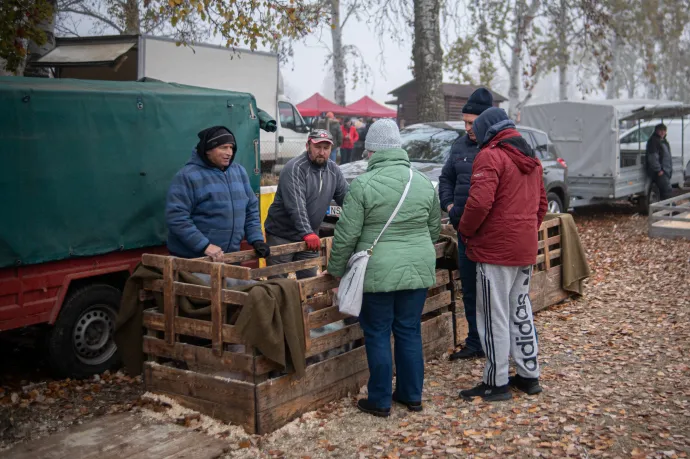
{"points": [[466, 353], [488, 393], [366, 406], [529, 386], [412, 406]]}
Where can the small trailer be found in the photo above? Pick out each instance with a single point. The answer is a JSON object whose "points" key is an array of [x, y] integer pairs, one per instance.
{"points": [[587, 137], [202, 365]]}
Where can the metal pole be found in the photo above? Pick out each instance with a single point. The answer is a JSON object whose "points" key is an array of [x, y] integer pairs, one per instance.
{"points": [[682, 148]]}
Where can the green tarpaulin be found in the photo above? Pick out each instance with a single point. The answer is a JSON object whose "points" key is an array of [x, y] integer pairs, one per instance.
{"points": [[86, 164]]}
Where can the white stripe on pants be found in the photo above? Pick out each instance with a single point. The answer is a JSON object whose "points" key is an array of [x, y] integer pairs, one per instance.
{"points": [[505, 322]]}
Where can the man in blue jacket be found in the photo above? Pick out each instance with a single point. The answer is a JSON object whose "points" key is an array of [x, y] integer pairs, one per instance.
{"points": [[210, 207], [454, 189]]}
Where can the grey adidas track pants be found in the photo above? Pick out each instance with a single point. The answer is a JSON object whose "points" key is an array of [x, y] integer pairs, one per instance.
{"points": [[505, 322]]}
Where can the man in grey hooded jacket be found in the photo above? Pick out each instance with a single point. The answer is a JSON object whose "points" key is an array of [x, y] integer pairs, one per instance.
{"points": [[308, 184]]}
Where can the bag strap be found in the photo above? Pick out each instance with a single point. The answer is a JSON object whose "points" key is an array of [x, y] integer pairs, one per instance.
{"points": [[395, 212]]}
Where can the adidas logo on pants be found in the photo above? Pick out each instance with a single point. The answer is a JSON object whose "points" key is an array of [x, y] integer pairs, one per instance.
{"points": [[505, 322]]}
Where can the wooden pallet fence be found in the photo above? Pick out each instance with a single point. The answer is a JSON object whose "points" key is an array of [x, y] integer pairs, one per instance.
{"points": [[671, 218], [205, 365]]}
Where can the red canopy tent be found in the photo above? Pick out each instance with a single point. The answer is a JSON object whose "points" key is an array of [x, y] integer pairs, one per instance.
{"points": [[317, 104], [366, 106]]}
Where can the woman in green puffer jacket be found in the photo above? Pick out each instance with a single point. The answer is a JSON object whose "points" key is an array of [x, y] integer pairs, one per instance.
{"points": [[400, 270]]}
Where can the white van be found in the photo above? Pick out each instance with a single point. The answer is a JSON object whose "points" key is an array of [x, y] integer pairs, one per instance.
{"points": [[635, 139]]}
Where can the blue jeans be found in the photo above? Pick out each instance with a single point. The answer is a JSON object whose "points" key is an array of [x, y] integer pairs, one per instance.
{"points": [[400, 312], [468, 277], [334, 154]]}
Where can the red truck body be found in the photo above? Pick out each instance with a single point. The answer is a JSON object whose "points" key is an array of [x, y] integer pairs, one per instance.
{"points": [[31, 295]]}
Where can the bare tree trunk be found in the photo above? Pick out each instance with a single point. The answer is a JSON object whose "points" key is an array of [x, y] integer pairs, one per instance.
{"points": [[613, 85], [132, 19], [563, 55], [338, 56], [38, 51], [524, 16], [428, 60]]}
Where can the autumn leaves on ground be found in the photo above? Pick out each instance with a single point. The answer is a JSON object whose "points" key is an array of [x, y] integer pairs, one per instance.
{"points": [[616, 377]]}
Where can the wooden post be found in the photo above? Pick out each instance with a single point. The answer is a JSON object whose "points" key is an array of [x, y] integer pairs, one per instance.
{"points": [[329, 247], [169, 300], [547, 257], [217, 309]]}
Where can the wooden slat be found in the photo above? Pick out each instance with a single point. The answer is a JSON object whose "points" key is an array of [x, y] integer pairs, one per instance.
{"points": [[169, 300], [336, 339], [437, 302], [550, 241], [285, 268], [328, 248], [316, 303], [191, 327], [317, 284], [233, 401], [325, 317], [195, 266], [440, 248], [197, 291], [442, 277], [200, 356], [550, 224], [217, 309], [552, 255]]}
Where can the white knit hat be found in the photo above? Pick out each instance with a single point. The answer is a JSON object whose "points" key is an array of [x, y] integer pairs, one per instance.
{"points": [[383, 135]]}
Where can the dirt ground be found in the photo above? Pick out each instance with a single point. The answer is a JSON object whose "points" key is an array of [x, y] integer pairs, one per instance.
{"points": [[615, 371]]}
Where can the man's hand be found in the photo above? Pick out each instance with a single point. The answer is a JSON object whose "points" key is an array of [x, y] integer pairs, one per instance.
{"points": [[450, 206], [313, 242], [215, 252], [262, 249], [661, 173]]}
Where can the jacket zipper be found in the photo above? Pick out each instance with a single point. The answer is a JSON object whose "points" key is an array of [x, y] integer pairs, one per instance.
{"points": [[320, 180]]}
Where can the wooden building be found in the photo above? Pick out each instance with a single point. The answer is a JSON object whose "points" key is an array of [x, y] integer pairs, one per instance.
{"points": [[455, 97]]}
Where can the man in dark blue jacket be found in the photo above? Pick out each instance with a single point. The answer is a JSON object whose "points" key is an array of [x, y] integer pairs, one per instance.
{"points": [[454, 189], [210, 207]]}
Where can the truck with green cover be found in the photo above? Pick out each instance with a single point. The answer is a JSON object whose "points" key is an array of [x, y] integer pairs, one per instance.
{"points": [[85, 171]]}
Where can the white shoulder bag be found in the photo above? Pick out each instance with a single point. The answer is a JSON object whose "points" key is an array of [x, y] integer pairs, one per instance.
{"points": [[351, 289]]}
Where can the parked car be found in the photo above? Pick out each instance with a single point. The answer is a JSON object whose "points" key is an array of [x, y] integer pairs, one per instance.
{"points": [[428, 146]]}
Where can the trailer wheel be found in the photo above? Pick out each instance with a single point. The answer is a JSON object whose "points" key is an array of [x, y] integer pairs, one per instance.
{"points": [[82, 341], [645, 202], [555, 205]]}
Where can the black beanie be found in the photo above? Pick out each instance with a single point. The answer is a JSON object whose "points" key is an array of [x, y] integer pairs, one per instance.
{"points": [[214, 137], [480, 100]]}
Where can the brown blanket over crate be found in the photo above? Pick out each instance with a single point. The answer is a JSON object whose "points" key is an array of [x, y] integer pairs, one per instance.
{"points": [[574, 267], [129, 324]]}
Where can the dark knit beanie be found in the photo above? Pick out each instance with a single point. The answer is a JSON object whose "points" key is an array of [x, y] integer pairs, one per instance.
{"points": [[214, 137], [480, 100]]}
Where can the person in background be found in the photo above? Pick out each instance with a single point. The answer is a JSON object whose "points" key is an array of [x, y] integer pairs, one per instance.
{"points": [[453, 190], [503, 213], [350, 136], [210, 206], [332, 125], [307, 185], [401, 268], [660, 161]]}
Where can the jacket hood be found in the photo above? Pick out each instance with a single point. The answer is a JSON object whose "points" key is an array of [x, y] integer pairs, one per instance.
{"points": [[390, 157], [490, 123], [518, 150]]}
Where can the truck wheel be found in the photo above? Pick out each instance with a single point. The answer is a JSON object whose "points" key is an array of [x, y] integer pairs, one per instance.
{"points": [[82, 341], [645, 202], [555, 205]]}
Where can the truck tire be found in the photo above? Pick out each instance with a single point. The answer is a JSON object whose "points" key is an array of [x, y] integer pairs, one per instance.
{"points": [[82, 343], [555, 205], [645, 202]]}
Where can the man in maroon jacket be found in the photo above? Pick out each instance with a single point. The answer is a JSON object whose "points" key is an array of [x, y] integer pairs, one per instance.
{"points": [[506, 206]]}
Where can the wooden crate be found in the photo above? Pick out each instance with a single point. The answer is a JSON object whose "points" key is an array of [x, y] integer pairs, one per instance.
{"points": [[545, 288], [671, 218], [201, 364]]}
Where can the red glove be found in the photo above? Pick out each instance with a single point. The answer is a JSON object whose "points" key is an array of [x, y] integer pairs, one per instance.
{"points": [[313, 242]]}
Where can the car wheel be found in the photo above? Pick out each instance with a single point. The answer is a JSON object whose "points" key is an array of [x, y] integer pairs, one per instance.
{"points": [[555, 205], [82, 341]]}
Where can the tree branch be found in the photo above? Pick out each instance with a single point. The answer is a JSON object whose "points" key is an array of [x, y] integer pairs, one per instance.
{"points": [[351, 10], [500, 53], [96, 16]]}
